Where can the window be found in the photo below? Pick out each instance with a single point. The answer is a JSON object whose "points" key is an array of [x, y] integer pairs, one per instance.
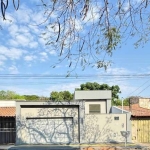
{"points": [[94, 108], [116, 118]]}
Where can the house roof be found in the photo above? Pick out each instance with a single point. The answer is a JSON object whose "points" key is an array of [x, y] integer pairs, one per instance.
{"points": [[124, 108], [138, 111], [7, 111], [92, 94]]}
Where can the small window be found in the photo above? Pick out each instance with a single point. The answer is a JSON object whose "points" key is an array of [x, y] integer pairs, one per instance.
{"points": [[94, 108], [116, 118]]}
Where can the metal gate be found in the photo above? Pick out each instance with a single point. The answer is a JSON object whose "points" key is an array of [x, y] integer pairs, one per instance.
{"points": [[7, 130]]}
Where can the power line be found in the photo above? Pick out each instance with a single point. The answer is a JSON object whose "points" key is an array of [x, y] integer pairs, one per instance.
{"points": [[72, 76], [143, 90], [137, 88]]}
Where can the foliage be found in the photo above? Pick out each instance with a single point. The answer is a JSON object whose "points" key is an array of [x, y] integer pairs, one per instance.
{"points": [[118, 102], [31, 97], [10, 95], [84, 32], [95, 86], [4, 5], [126, 102], [61, 96]]}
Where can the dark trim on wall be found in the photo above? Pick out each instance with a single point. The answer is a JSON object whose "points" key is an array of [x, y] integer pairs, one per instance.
{"points": [[140, 117], [49, 118], [79, 125], [49, 106], [94, 100], [106, 106]]}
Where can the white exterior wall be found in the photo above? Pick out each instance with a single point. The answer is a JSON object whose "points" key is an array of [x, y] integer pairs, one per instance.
{"points": [[102, 97], [103, 128], [47, 130], [97, 94], [50, 122], [102, 105], [7, 103]]}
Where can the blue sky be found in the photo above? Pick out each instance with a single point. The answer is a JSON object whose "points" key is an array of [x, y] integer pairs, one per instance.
{"points": [[23, 52]]}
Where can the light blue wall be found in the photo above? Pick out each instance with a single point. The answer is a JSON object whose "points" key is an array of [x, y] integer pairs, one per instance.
{"points": [[116, 110]]}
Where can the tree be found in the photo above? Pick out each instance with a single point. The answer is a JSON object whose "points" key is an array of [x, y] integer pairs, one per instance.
{"points": [[95, 86], [10, 95], [126, 102], [4, 5], [61, 96], [84, 32], [3, 94], [31, 97], [118, 102]]}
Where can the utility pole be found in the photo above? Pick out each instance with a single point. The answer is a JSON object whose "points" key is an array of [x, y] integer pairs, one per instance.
{"points": [[122, 105]]}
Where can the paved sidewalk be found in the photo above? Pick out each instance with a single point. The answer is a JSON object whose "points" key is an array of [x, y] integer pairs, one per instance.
{"points": [[141, 146], [39, 147]]}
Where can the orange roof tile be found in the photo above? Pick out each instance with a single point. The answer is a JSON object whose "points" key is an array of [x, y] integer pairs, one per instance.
{"points": [[138, 111], [7, 111]]}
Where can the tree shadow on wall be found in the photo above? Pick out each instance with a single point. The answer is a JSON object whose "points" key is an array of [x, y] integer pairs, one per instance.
{"points": [[97, 133], [61, 124], [53, 124]]}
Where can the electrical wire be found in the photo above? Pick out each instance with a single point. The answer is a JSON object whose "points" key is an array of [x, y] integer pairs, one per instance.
{"points": [[137, 88], [41, 76], [143, 89]]}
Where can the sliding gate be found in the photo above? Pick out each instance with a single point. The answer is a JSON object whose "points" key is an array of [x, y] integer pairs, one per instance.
{"points": [[7, 130]]}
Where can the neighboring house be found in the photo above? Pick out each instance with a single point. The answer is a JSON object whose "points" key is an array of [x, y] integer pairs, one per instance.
{"points": [[86, 119], [7, 122], [140, 118], [140, 109]]}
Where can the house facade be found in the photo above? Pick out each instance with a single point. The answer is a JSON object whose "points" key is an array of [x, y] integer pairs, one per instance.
{"points": [[86, 119], [140, 110]]}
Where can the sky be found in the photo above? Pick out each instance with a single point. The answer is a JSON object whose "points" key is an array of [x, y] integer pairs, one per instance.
{"points": [[25, 60]]}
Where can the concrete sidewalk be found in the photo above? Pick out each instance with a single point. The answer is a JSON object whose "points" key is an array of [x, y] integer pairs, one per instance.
{"points": [[39, 147], [78, 147]]}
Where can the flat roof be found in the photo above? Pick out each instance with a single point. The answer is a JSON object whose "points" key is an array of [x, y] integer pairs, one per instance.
{"points": [[93, 94]]}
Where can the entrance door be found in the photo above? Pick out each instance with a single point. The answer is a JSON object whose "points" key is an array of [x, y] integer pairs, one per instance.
{"points": [[55, 130], [7, 130]]}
